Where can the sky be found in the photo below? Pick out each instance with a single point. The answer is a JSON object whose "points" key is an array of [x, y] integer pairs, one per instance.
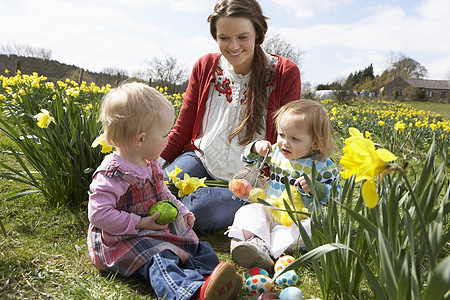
{"points": [[338, 37]]}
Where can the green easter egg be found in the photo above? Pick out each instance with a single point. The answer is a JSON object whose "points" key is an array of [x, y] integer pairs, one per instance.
{"points": [[168, 210]]}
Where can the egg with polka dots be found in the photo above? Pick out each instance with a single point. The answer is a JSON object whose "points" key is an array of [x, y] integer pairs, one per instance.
{"points": [[256, 271], [258, 284], [283, 262], [289, 278]]}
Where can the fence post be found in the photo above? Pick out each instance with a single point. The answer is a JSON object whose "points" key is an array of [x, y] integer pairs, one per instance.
{"points": [[118, 79], [80, 78], [18, 66]]}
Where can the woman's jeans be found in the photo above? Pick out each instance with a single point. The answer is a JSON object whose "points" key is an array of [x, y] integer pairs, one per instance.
{"points": [[213, 207], [170, 280]]}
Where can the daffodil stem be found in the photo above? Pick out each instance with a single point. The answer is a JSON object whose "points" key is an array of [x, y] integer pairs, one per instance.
{"points": [[219, 183], [419, 215]]}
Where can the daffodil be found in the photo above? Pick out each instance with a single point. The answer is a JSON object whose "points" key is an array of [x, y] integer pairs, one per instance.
{"points": [[400, 126], [189, 185], [44, 118], [173, 175], [100, 140], [363, 160]]}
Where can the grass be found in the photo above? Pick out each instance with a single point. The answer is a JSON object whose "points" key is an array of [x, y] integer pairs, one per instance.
{"points": [[45, 253], [45, 256], [440, 108]]}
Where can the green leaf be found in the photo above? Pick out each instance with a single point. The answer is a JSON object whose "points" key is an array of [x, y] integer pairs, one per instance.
{"points": [[3, 228], [387, 264], [439, 282], [363, 221], [320, 251]]}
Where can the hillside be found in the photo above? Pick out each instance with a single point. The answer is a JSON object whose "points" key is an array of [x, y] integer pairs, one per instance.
{"points": [[54, 70]]}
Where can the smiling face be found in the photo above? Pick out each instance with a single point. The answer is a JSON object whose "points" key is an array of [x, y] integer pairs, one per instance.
{"points": [[236, 40], [294, 141]]}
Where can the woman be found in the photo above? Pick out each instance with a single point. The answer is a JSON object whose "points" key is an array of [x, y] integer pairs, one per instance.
{"points": [[229, 102]]}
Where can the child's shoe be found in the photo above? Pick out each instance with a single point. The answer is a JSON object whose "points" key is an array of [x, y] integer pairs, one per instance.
{"points": [[238, 287], [220, 284], [252, 253]]}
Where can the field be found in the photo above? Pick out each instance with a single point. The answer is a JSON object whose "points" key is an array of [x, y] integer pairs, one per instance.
{"points": [[44, 252]]}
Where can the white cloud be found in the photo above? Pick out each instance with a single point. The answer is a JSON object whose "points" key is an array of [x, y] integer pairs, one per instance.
{"points": [[384, 29], [191, 5], [309, 8]]}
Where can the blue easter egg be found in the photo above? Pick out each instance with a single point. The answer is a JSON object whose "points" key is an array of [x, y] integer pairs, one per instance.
{"points": [[289, 278], [291, 293]]}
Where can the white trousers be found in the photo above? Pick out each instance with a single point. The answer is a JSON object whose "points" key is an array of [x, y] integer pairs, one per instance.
{"points": [[258, 219]]}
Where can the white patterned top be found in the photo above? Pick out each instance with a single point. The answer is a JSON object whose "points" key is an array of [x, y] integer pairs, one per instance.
{"points": [[225, 103]]}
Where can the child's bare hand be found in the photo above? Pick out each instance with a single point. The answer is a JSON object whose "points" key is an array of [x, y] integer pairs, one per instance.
{"points": [[189, 219], [261, 147], [302, 183], [150, 224]]}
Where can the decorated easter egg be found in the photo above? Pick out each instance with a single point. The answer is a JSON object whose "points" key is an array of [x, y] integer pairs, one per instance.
{"points": [[255, 194], [240, 187], [168, 210], [258, 284], [289, 278], [237, 187], [256, 271], [268, 296], [248, 187], [291, 293], [283, 262]]}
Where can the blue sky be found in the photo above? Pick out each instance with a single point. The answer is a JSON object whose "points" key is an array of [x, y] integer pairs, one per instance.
{"points": [[337, 36]]}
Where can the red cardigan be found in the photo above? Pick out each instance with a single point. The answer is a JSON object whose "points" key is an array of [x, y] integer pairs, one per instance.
{"points": [[287, 87]]}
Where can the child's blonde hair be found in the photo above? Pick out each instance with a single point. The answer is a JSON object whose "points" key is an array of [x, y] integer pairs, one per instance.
{"points": [[313, 115], [130, 109]]}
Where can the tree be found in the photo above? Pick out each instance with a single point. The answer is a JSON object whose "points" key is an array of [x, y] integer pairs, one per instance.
{"points": [[406, 67], [307, 90], [362, 77], [275, 44], [342, 90], [113, 71], [26, 51], [167, 72]]}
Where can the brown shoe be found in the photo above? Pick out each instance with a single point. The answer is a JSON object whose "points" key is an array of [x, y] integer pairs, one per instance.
{"points": [[220, 285], [237, 287]]}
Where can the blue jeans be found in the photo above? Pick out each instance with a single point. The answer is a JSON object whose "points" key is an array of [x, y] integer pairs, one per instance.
{"points": [[172, 280], [213, 207]]}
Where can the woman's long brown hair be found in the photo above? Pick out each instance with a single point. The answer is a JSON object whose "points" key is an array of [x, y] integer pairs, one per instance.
{"points": [[256, 96]]}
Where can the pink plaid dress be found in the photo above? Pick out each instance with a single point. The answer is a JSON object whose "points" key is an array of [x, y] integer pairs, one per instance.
{"points": [[124, 254]]}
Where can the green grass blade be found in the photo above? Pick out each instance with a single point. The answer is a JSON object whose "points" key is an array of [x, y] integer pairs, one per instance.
{"points": [[439, 282]]}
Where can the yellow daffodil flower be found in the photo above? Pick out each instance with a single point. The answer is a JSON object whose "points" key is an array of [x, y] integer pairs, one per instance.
{"points": [[173, 175], [363, 160], [189, 185], [400, 126], [100, 140], [44, 118]]}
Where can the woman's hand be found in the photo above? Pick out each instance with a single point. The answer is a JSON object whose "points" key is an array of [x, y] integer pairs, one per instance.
{"points": [[189, 219], [261, 147], [150, 224]]}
